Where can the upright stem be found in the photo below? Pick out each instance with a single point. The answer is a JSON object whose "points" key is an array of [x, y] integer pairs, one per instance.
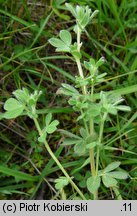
{"points": [[100, 140], [84, 89], [57, 161], [91, 122]]}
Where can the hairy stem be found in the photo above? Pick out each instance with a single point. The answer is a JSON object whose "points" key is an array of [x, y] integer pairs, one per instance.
{"points": [[84, 89], [57, 161], [117, 193], [91, 122], [100, 140]]}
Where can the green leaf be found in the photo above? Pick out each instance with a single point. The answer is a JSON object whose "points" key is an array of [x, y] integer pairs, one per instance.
{"points": [[112, 166], [70, 89], [69, 141], [118, 174], [42, 137], [12, 104], [108, 181], [93, 183], [112, 110], [80, 148], [60, 45], [66, 37], [91, 145], [69, 134], [48, 119], [71, 9], [74, 51], [13, 113], [17, 174], [56, 42], [61, 182], [22, 95], [13, 108], [123, 108], [52, 127], [100, 62]]}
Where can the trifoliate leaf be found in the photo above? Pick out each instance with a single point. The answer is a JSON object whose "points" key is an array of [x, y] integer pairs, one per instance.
{"points": [[61, 182], [13, 108], [59, 44], [93, 183]]}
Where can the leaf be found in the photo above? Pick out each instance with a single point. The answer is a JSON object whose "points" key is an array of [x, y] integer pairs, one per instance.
{"points": [[108, 181], [94, 110], [48, 118], [13, 113], [13, 108], [70, 88], [123, 108], [112, 166], [12, 104], [93, 183], [59, 44], [66, 37], [83, 132], [52, 127], [61, 182], [69, 134], [91, 145], [74, 51], [118, 174], [22, 95], [100, 62], [56, 42], [42, 137], [94, 14], [112, 110], [17, 174], [80, 148], [69, 141], [71, 9]]}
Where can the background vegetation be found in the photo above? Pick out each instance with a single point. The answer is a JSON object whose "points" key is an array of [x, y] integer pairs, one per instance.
{"points": [[28, 60]]}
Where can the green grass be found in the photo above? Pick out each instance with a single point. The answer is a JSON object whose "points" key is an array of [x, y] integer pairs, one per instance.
{"points": [[27, 60]]}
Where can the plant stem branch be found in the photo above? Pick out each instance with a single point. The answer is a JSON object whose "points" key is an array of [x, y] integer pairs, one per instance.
{"points": [[57, 161], [100, 140], [117, 193]]}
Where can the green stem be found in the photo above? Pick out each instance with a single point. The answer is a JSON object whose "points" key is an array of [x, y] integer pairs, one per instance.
{"points": [[117, 193], [84, 89], [92, 158], [57, 161], [100, 140]]}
